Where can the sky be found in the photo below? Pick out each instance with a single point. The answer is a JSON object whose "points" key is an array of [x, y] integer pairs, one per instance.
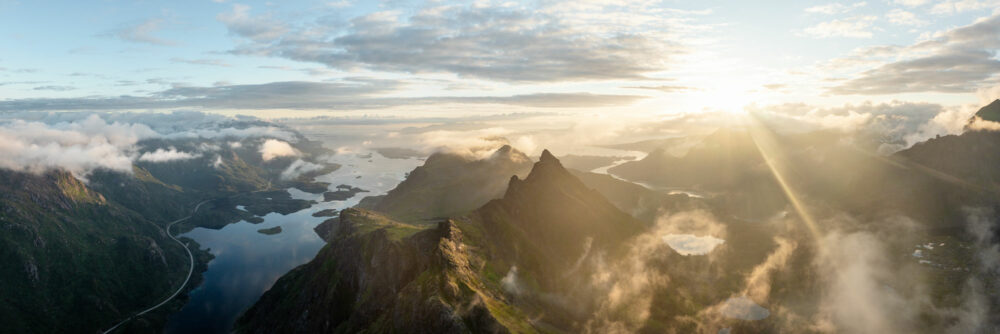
{"points": [[454, 59]]}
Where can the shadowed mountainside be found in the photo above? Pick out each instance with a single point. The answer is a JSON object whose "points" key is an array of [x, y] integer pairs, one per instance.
{"points": [[449, 185]]}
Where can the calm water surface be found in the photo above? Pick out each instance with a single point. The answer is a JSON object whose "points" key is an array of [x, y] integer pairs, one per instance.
{"points": [[247, 263]]}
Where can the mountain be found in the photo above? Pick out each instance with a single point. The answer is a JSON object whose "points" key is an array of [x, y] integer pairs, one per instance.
{"points": [[75, 261], [930, 182], [83, 255], [449, 185], [544, 221], [971, 156], [640, 202], [380, 275], [990, 112]]}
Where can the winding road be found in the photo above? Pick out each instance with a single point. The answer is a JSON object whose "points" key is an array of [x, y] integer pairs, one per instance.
{"points": [[179, 289]]}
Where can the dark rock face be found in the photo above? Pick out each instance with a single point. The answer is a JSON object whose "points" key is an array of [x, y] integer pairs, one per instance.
{"points": [[380, 275], [990, 112], [375, 281], [543, 221], [450, 185]]}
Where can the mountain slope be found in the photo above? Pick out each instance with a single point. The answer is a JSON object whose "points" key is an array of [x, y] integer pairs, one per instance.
{"points": [[450, 185], [378, 275], [84, 255], [545, 222], [62, 247]]}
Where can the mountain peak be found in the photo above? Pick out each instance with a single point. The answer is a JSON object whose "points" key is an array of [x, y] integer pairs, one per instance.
{"points": [[508, 153], [990, 112], [547, 156]]}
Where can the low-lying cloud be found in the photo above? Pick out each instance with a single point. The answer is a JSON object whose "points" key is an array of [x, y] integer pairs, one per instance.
{"points": [[83, 142], [298, 168], [171, 154], [273, 148]]}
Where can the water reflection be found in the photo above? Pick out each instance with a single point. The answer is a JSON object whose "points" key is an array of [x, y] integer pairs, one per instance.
{"points": [[743, 308], [690, 244]]}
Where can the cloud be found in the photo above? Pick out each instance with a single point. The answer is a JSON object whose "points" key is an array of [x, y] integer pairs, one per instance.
{"points": [[81, 142], [955, 61], [897, 124], [911, 3], [350, 94], [78, 147], [987, 95], [55, 88], [273, 148], [297, 168], [171, 154], [959, 6], [260, 28], [904, 18], [854, 27], [140, 32], [666, 88], [624, 289], [979, 124], [835, 8], [510, 283], [504, 43], [209, 62]]}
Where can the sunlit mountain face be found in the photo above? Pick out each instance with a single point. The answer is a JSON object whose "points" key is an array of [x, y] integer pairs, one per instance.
{"points": [[500, 167]]}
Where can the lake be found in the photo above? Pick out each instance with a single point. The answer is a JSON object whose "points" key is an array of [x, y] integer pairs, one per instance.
{"points": [[247, 263]]}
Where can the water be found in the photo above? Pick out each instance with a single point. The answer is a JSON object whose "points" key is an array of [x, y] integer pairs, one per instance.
{"points": [[743, 308], [690, 244], [247, 263]]}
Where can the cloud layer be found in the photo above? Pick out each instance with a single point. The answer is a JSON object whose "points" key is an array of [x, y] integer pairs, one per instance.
{"points": [[83, 142], [959, 60], [506, 43]]}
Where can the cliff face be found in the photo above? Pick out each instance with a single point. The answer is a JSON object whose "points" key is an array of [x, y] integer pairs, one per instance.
{"points": [[550, 219], [450, 185], [379, 275]]}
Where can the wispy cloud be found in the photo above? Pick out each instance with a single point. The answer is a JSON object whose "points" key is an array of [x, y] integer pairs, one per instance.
{"points": [[507, 43], [666, 88], [353, 94], [835, 8], [959, 6], [209, 62], [854, 27], [141, 32], [55, 88], [904, 18], [958, 60]]}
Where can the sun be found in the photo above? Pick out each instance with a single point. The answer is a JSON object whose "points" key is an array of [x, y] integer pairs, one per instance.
{"points": [[729, 97]]}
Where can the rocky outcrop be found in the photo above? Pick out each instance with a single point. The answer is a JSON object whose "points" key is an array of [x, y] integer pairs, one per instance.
{"points": [[450, 185], [374, 276], [383, 276]]}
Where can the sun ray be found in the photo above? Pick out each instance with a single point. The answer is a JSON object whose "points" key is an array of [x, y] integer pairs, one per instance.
{"points": [[770, 150]]}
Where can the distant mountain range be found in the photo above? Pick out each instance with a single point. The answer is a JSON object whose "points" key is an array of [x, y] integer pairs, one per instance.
{"points": [[83, 256], [555, 252], [448, 277], [449, 185], [500, 243]]}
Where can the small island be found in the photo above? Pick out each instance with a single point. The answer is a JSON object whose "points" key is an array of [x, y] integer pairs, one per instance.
{"points": [[343, 193], [270, 231], [325, 213]]}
